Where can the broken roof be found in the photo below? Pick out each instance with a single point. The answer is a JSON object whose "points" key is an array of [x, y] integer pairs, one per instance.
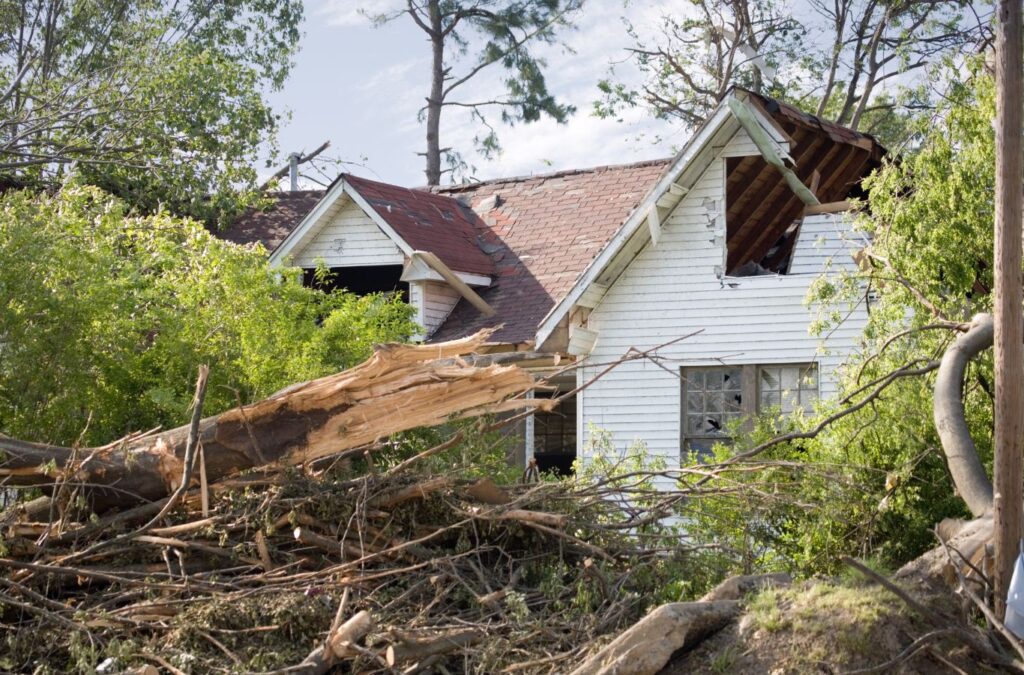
{"points": [[544, 238]]}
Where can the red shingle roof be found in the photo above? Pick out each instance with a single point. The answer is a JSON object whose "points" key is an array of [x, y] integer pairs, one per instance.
{"points": [[271, 225], [542, 232], [428, 222]]}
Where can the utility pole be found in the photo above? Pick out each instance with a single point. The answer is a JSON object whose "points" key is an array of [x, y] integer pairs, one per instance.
{"points": [[1008, 478]]}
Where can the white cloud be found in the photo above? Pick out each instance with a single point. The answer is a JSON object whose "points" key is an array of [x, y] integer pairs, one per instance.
{"points": [[354, 12]]}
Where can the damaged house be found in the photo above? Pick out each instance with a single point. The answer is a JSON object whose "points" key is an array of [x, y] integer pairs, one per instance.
{"points": [[705, 258]]}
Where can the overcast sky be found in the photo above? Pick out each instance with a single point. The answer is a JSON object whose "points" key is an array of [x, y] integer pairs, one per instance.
{"points": [[360, 87]]}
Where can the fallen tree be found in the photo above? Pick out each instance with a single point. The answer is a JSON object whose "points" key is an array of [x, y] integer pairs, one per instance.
{"points": [[400, 387]]}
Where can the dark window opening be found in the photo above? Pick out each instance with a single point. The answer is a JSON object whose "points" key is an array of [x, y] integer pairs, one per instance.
{"points": [[360, 280], [554, 437]]}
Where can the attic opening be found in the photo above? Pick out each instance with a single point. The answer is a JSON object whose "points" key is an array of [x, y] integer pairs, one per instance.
{"points": [[763, 213], [362, 280]]}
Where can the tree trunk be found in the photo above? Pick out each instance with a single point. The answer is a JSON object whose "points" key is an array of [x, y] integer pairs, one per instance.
{"points": [[436, 96], [950, 421], [1009, 294], [400, 387]]}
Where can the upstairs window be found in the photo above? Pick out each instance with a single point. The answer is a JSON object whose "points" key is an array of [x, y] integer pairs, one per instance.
{"points": [[716, 398]]}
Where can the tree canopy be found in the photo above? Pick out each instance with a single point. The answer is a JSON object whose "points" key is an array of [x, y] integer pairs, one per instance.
{"points": [[849, 61], [161, 103], [104, 317]]}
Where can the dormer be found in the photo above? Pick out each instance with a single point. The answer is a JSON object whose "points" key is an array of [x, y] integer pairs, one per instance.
{"points": [[375, 237]]}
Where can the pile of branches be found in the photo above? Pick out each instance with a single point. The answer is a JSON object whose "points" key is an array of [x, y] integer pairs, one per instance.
{"points": [[290, 571], [289, 536]]}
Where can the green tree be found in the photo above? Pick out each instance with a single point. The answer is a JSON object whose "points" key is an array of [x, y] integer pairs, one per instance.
{"points": [[161, 103], [505, 31], [104, 317]]}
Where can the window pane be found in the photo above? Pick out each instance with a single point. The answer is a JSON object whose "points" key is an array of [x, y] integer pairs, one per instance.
{"points": [[770, 399], [732, 379], [694, 402], [695, 380], [715, 401], [714, 379], [769, 378], [790, 401], [790, 378], [694, 424], [809, 377], [733, 402]]}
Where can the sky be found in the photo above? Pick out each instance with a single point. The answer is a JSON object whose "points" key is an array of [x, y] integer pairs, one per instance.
{"points": [[360, 87]]}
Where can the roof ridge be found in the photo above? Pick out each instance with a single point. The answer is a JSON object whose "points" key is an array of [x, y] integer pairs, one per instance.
{"points": [[461, 187]]}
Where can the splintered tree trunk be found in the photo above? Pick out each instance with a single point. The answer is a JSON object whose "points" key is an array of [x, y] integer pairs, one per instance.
{"points": [[400, 387], [1009, 323]]}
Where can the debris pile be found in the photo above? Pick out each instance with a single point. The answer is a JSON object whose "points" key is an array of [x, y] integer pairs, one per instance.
{"points": [[293, 560]]}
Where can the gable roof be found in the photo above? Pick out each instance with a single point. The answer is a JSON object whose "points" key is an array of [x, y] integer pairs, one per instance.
{"points": [[544, 240], [542, 232], [427, 222]]}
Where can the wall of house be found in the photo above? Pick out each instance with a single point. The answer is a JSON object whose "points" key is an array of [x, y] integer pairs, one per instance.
{"points": [[349, 239], [671, 291], [434, 301]]}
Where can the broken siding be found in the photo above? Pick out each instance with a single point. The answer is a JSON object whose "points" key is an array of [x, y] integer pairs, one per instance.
{"points": [[349, 239], [672, 290]]}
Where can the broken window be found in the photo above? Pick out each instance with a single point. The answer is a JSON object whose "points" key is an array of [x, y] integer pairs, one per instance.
{"points": [[713, 400], [716, 398]]}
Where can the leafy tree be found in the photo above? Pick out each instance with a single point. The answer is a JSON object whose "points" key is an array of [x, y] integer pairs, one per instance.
{"points": [[104, 317], [506, 29], [848, 60], [161, 103], [876, 482]]}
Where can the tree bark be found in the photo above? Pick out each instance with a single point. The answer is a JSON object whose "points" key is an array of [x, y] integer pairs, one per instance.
{"points": [[436, 95], [950, 422], [1009, 294], [400, 387]]}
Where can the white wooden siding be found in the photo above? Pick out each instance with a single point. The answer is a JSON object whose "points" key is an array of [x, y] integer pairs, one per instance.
{"points": [[672, 290], [439, 300], [740, 145], [349, 239], [825, 241]]}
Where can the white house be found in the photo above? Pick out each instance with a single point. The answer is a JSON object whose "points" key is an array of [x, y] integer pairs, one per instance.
{"points": [[696, 267]]}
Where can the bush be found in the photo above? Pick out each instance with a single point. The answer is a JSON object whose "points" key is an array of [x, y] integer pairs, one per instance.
{"points": [[104, 317]]}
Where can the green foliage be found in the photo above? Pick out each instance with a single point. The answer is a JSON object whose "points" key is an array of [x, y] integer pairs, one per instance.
{"points": [[162, 104], [104, 317], [875, 483]]}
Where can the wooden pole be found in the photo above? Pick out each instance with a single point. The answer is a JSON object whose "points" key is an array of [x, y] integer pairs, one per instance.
{"points": [[1009, 318]]}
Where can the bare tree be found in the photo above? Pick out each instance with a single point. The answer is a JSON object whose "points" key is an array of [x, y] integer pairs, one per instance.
{"points": [[847, 59]]}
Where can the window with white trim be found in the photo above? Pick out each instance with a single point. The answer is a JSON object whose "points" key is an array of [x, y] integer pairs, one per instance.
{"points": [[715, 398]]}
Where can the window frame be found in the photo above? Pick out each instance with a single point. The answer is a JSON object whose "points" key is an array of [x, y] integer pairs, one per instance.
{"points": [[750, 395]]}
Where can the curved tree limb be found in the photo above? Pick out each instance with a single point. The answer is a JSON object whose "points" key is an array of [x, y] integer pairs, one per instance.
{"points": [[950, 420]]}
